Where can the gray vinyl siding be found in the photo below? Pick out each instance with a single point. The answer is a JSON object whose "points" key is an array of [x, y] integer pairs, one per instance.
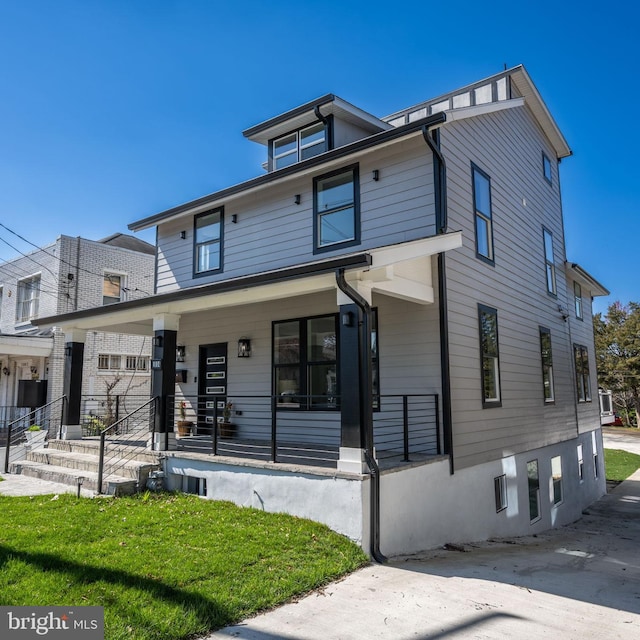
{"points": [[273, 232], [507, 145], [408, 351], [346, 132]]}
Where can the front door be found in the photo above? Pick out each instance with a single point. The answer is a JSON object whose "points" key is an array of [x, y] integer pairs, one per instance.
{"points": [[212, 386]]}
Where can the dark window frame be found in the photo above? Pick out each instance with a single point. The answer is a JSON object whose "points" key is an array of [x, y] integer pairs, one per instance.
{"points": [[544, 331], [491, 258], [533, 485], [556, 483], [583, 374], [305, 363], [549, 264], [497, 402], [546, 162], [500, 492], [355, 171], [302, 326], [196, 244], [328, 139]]}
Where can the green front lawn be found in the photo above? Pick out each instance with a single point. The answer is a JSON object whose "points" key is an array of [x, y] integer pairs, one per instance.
{"points": [[620, 464], [162, 566]]}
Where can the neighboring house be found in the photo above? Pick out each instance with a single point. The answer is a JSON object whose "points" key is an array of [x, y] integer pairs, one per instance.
{"points": [[67, 275], [401, 288]]}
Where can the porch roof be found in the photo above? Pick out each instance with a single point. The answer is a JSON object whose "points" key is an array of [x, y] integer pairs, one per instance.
{"points": [[16, 345], [401, 270]]}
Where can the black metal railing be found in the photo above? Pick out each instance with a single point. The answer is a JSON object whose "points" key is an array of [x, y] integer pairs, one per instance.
{"points": [[42, 423], [124, 440], [101, 411], [283, 429]]}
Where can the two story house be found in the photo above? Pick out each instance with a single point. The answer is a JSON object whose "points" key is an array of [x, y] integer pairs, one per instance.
{"points": [[69, 274], [385, 322]]}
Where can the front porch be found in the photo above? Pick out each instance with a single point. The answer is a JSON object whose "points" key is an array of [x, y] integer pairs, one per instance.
{"points": [[405, 428]]}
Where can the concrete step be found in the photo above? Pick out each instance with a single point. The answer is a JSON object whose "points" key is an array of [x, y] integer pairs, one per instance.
{"points": [[134, 469], [92, 447], [111, 485]]}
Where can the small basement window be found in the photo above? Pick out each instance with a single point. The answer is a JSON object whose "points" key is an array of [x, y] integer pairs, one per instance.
{"points": [[500, 489]]}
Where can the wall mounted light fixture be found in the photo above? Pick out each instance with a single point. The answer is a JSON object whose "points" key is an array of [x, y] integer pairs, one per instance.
{"points": [[376, 175], [244, 348], [6, 371], [183, 234], [234, 218], [297, 198], [180, 353], [157, 341]]}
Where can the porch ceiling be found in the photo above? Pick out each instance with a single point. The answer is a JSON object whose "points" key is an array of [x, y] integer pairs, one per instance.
{"points": [[401, 271]]}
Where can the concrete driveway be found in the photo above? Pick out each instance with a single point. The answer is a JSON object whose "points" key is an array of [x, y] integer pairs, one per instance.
{"points": [[578, 582], [619, 439]]}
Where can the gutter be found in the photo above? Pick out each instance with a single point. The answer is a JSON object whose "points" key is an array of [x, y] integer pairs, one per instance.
{"points": [[440, 185], [366, 410]]}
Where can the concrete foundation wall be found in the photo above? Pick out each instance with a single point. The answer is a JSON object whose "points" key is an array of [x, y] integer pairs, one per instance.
{"points": [[425, 507], [421, 507], [339, 502]]}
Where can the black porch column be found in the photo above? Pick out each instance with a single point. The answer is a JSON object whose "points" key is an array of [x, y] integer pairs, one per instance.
{"points": [[73, 361], [352, 435], [163, 373]]}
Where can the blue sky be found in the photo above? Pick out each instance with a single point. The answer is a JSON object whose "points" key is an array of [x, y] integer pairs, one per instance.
{"points": [[111, 111]]}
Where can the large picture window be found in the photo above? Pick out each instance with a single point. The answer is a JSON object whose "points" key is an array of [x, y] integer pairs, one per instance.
{"points": [[305, 361], [489, 355], [208, 242], [583, 379], [547, 365], [336, 206], [28, 299], [483, 218]]}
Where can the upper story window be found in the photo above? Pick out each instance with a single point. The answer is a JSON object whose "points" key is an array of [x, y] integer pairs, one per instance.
{"points": [[549, 261], [577, 297], [208, 242], [28, 299], [546, 167], [583, 379], [489, 355], [482, 214], [299, 145], [336, 207], [547, 365], [112, 287]]}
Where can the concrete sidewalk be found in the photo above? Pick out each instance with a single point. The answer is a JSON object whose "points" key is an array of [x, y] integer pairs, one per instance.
{"points": [[19, 485], [581, 581]]}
